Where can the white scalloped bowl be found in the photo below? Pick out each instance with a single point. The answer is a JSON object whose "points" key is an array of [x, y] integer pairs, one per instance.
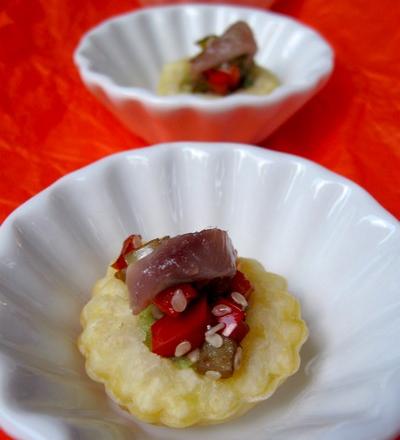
{"points": [[120, 61], [339, 250], [252, 3]]}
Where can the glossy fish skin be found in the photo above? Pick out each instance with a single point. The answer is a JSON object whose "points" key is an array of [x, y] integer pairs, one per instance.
{"points": [[197, 256], [236, 41]]}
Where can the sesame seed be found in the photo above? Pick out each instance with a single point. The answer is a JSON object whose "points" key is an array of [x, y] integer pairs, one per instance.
{"points": [[213, 374], [212, 330], [194, 355], [239, 299], [221, 310], [215, 340], [178, 301], [238, 358], [182, 348]]}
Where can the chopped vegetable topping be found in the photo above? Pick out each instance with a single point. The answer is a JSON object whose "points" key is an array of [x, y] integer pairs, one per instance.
{"points": [[146, 320], [197, 314], [219, 359], [226, 62], [130, 244], [223, 80], [234, 322], [168, 333], [182, 362], [174, 300], [241, 284], [215, 287]]}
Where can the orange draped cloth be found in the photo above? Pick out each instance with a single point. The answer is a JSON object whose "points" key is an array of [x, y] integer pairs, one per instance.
{"points": [[50, 125]]}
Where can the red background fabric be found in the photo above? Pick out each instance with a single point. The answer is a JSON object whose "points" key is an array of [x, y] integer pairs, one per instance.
{"points": [[50, 125]]}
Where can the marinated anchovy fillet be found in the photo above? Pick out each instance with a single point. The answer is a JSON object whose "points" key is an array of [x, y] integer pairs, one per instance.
{"points": [[236, 41], [185, 258]]}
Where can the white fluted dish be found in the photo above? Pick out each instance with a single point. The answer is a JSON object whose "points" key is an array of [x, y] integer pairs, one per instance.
{"points": [[338, 248], [252, 3], [120, 62]]}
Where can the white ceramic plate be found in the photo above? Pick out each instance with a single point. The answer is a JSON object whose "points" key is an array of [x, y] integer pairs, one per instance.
{"points": [[120, 62], [339, 250]]}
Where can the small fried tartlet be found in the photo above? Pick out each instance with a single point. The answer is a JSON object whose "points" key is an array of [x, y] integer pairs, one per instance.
{"points": [[156, 390]]}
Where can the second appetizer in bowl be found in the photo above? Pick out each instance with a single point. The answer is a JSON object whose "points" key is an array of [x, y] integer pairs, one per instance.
{"points": [[225, 65], [245, 50]]}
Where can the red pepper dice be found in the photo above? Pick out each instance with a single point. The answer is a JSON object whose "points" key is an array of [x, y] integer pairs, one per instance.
{"points": [[168, 332], [235, 325], [164, 299], [241, 284], [130, 244], [191, 324], [223, 79]]}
